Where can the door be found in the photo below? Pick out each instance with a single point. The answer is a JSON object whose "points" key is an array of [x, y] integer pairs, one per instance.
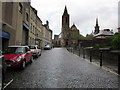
{"points": [[28, 54]]}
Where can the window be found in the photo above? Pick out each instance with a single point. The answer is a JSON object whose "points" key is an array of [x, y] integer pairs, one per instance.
{"points": [[20, 8], [33, 29], [27, 18], [26, 49], [66, 20]]}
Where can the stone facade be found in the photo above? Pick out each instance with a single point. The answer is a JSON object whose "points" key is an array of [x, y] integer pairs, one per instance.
{"points": [[33, 25], [47, 34], [39, 33], [20, 25], [57, 41], [15, 23], [96, 27], [69, 35], [106, 33]]}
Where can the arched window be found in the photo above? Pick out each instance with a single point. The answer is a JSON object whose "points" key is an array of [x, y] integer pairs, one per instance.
{"points": [[66, 20]]}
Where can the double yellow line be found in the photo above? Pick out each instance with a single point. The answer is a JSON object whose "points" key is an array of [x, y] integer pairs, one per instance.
{"points": [[106, 69], [102, 67]]}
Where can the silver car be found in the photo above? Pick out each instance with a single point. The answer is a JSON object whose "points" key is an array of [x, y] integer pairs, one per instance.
{"points": [[36, 51], [48, 47]]}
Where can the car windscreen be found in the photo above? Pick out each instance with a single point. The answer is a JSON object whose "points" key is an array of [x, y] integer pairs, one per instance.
{"points": [[32, 47], [14, 50]]}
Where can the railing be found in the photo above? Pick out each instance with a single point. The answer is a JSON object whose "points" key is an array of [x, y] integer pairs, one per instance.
{"points": [[102, 56]]}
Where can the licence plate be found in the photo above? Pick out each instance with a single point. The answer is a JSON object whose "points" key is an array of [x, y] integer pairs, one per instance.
{"points": [[8, 65]]}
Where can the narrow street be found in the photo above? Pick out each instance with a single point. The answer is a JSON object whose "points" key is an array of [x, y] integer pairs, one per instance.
{"points": [[57, 68]]}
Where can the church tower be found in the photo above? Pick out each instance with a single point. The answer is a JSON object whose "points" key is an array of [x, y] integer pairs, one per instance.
{"points": [[65, 20], [96, 27], [69, 36]]}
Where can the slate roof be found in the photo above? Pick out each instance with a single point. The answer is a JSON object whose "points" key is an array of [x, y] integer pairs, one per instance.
{"points": [[105, 32]]}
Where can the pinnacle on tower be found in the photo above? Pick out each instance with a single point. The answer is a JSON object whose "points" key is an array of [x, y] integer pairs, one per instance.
{"points": [[65, 10], [96, 27], [96, 21]]}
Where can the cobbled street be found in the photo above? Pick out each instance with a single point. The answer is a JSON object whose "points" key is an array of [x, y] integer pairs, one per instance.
{"points": [[57, 68]]}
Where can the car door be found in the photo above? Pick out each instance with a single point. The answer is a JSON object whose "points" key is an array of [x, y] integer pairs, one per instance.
{"points": [[28, 54], [37, 50]]}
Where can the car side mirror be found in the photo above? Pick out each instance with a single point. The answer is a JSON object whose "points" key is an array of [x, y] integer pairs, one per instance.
{"points": [[28, 52], [28, 49]]}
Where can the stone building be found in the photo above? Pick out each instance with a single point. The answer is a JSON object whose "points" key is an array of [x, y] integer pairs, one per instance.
{"points": [[20, 25], [35, 32], [69, 35], [106, 33], [96, 27], [57, 41], [47, 35], [15, 23], [39, 32], [33, 25]]}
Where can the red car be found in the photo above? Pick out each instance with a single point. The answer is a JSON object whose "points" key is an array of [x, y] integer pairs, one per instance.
{"points": [[18, 56]]}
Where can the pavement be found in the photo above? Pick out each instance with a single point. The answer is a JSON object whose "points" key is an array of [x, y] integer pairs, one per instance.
{"points": [[58, 68]]}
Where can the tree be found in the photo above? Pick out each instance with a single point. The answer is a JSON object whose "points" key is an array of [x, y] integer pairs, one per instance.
{"points": [[89, 37], [116, 41]]}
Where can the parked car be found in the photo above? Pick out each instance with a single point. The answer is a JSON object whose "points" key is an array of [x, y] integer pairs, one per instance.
{"points": [[36, 51], [47, 47], [18, 56]]}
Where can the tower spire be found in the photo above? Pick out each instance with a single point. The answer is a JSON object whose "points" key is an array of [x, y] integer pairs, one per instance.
{"points": [[96, 21], [96, 27], [65, 10]]}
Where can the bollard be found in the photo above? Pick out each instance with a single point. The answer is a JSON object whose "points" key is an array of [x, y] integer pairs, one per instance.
{"points": [[83, 53], [73, 50], [119, 64], [100, 58], [79, 52], [90, 56]]}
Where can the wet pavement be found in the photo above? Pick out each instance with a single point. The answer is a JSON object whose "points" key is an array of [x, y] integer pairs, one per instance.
{"points": [[57, 68]]}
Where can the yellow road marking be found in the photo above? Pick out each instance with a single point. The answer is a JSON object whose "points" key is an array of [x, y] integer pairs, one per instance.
{"points": [[101, 66], [106, 69]]}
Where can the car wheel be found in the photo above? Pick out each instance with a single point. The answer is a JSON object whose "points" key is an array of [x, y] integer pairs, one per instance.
{"points": [[40, 54], [31, 60], [23, 65], [3, 76], [37, 55]]}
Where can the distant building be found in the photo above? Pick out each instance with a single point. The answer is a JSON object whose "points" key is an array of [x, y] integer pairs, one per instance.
{"points": [[47, 35], [119, 29], [96, 27], [33, 25], [39, 32], [69, 35], [35, 32], [106, 33], [57, 41]]}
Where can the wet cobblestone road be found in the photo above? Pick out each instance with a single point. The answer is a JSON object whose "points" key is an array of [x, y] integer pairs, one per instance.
{"points": [[57, 68]]}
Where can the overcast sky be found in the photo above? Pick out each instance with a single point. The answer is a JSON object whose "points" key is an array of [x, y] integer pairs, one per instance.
{"points": [[82, 12]]}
